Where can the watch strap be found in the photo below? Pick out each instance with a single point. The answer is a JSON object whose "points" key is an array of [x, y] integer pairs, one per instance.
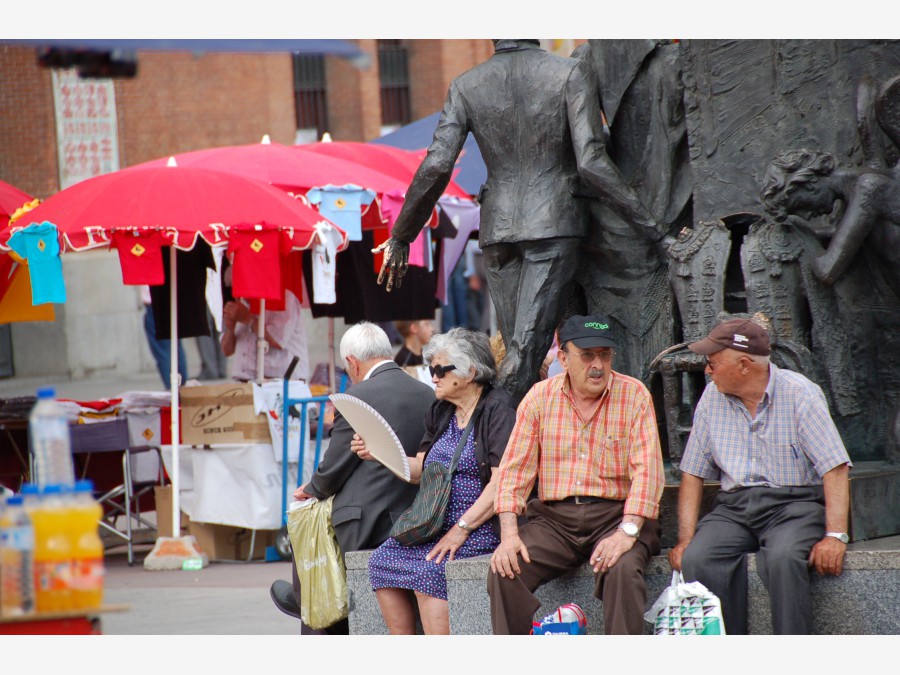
{"points": [[840, 536]]}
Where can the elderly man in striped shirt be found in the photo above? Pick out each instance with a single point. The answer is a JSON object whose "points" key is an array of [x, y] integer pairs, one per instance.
{"points": [[766, 434], [588, 438]]}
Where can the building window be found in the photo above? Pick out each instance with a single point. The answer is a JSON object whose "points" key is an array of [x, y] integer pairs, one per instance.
{"points": [[393, 69], [310, 96]]}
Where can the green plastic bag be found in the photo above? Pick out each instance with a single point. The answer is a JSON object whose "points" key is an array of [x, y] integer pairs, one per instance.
{"points": [[320, 567]]}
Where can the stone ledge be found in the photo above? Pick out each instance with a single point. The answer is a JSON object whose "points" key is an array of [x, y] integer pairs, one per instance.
{"points": [[864, 600]]}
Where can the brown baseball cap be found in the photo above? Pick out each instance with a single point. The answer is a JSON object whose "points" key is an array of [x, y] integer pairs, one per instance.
{"points": [[742, 335]]}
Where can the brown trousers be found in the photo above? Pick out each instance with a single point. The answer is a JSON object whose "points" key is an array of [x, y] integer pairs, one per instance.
{"points": [[560, 537]]}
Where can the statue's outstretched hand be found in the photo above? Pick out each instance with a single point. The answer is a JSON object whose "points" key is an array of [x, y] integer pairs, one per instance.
{"points": [[396, 260]]}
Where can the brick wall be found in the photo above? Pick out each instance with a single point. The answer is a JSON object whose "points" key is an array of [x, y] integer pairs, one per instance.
{"points": [[354, 97], [434, 63], [180, 102], [27, 127]]}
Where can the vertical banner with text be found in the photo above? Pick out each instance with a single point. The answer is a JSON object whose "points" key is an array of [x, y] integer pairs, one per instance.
{"points": [[86, 130]]}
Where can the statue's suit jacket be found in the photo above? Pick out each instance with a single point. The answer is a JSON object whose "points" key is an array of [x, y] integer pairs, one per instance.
{"points": [[536, 119], [367, 496]]}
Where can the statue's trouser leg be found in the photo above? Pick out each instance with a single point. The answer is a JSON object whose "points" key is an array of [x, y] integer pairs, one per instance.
{"points": [[528, 282]]}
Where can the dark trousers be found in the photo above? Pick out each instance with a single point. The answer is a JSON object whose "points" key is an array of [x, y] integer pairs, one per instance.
{"points": [[560, 537], [162, 352], [781, 525], [517, 275]]}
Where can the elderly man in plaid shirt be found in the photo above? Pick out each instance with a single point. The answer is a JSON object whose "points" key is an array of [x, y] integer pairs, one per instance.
{"points": [[766, 434], [588, 438]]}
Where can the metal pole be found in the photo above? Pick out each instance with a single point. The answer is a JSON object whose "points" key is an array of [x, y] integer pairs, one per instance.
{"points": [[174, 383], [331, 355], [261, 345]]}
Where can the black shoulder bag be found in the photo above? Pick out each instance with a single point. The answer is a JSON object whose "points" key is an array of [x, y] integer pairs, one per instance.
{"points": [[422, 521]]}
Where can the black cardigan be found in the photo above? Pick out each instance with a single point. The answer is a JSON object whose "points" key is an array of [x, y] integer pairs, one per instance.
{"points": [[494, 417]]}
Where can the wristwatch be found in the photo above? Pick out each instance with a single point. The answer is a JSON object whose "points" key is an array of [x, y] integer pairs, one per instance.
{"points": [[463, 525], [630, 529], [840, 536]]}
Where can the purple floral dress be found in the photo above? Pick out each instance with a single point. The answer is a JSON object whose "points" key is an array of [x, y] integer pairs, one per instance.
{"points": [[393, 565]]}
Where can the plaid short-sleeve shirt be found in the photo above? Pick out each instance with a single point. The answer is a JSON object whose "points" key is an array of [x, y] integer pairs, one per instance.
{"points": [[615, 454], [791, 441]]}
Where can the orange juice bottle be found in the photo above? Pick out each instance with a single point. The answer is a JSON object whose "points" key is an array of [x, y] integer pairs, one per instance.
{"points": [[52, 551], [87, 548]]}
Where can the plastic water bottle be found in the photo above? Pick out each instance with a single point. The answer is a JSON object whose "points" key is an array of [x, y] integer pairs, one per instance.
{"points": [[48, 428], [16, 560], [87, 548]]}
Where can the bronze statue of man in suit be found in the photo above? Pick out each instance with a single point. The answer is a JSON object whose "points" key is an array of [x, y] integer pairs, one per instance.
{"points": [[536, 119]]}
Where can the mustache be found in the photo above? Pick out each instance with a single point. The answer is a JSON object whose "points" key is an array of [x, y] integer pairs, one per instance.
{"points": [[596, 372]]}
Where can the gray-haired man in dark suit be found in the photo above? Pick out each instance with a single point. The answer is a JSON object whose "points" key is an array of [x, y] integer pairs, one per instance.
{"points": [[536, 119], [367, 496]]}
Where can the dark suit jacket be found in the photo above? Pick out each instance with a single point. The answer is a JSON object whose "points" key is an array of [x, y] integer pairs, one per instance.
{"points": [[367, 496], [536, 118]]}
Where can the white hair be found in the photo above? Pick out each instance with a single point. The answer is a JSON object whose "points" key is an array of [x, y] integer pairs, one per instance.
{"points": [[469, 350], [366, 341], [758, 359]]}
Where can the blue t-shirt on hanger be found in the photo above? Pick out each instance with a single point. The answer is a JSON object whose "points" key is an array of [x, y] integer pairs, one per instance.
{"points": [[342, 205], [39, 245]]}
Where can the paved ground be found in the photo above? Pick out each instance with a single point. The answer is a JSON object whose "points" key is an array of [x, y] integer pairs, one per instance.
{"points": [[222, 599]]}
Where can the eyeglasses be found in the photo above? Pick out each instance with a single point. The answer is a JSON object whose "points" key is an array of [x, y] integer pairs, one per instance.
{"points": [[587, 358], [440, 371], [712, 366]]}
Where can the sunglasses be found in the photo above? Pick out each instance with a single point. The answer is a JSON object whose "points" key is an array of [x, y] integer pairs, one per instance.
{"points": [[440, 371]]}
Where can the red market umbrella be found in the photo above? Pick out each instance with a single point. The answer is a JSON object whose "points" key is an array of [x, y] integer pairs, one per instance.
{"points": [[282, 167], [185, 204], [11, 199], [15, 282], [395, 161]]}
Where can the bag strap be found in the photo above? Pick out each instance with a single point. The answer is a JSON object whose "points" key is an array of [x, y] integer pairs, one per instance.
{"points": [[460, 446]]}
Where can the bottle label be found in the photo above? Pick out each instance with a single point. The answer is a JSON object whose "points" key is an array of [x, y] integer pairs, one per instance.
{"points": [[87, 574], [16, 590], [19, 538], [53, 575]]}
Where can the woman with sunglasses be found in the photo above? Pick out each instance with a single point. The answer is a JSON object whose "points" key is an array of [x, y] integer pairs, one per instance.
{"points": [[463, 370]]}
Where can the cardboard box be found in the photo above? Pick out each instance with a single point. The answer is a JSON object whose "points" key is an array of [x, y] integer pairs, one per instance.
{"points": [[221, 413], [420, 373], [163, 497], [223, 542]]}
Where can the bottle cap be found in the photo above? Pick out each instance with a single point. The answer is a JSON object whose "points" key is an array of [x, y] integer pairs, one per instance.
{"points": [[53, 489], [15, 500], [46, 392], [30, 489], [84, 485]]}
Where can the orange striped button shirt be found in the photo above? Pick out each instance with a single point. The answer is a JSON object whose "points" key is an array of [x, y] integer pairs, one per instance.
{"points": [[615, 455]]}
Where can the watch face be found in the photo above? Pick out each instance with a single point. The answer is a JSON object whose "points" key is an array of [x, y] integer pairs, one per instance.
{"points": [[630, 529]]}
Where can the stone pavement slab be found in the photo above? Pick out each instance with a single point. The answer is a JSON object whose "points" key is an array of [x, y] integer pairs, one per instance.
{"points": [[221, 599]]}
